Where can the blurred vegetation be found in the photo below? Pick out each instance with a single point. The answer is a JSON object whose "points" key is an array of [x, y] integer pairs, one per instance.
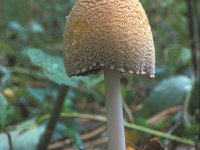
{"points": [[32, 74]]}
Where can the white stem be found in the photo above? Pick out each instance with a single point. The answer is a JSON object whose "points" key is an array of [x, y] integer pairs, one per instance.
{"points": [[115, 121]]}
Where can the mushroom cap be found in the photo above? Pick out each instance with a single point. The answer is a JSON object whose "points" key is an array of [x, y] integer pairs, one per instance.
{"points": [[112, 34]]}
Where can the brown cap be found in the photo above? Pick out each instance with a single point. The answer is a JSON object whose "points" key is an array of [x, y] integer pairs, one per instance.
{"points": [[111, 34]]}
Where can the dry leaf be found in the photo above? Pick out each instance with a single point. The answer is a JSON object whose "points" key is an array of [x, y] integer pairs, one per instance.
{"points": [[153, 144]]}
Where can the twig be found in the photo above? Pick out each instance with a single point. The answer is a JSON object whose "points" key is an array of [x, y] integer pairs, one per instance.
{"points": [[185, 110], [85, 136], [127, 125], [160, 134], [53, 119], [128, 111], [93, 133], [28, 72], [171, 130], [96, 142], [164, 114], [9, 139], [194, 31]]}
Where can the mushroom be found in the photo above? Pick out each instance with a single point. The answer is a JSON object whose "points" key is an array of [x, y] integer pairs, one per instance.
{"points": [[113, 36]]}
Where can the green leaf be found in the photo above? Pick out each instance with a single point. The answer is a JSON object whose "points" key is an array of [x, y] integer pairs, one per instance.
{"points": [[40, 94], [54, 70], [185, 56], [52, 66], [36, 27], [3, 110], [75, 136], [5, 75], [24, 137], [168, 93], [6, 47], [16, 26], [27, 134]]}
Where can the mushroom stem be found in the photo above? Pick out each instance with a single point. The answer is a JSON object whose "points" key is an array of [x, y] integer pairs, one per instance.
{"points": [[115, 121]]}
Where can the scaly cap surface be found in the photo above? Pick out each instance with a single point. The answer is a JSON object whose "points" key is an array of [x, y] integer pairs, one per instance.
{"points": [[111, 34]]}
